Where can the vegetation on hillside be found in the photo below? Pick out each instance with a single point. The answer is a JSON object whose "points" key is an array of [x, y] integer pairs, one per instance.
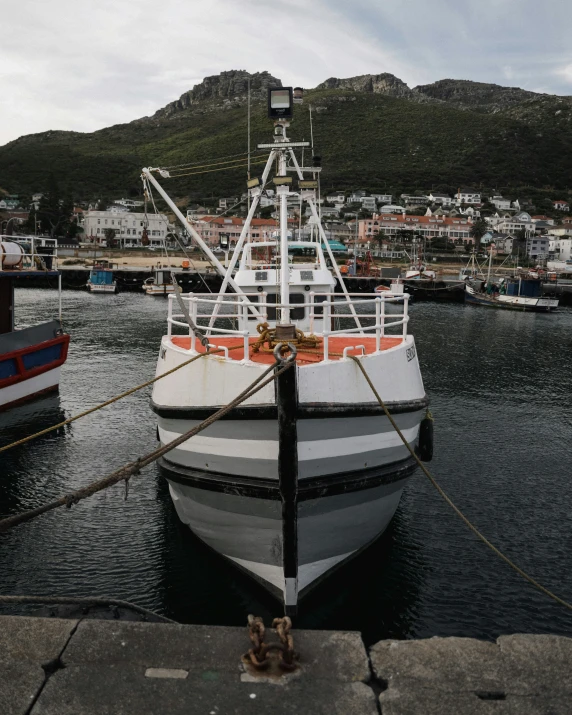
{"points": [[369, 141]]}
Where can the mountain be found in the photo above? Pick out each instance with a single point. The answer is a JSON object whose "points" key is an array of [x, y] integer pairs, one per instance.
{"points": [[372, 131]]}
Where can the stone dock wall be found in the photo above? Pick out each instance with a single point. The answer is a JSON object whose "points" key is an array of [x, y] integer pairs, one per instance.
{"points": [[52, 666]]}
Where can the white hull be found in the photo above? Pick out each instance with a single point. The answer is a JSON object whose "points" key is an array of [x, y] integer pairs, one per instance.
{"points": [[248, 531], [25, 389], [159, 290], [352, 465], [520, 301], [102, 288]]}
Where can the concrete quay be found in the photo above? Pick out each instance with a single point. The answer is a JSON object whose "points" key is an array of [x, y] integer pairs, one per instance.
{"points": [[53, 666]]}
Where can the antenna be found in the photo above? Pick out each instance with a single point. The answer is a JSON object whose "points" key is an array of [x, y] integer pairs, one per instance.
{"points": [[311, 130], [248, 169]]}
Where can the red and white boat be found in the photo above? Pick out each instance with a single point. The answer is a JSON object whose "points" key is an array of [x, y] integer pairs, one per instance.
{"points": [[30, 358]]}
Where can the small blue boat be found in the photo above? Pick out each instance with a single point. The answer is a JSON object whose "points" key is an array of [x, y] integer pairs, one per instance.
{"points": [[101, 280]]}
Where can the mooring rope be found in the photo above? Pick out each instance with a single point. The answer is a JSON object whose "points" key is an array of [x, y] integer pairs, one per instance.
{"points": [[133, 468], [111, 400], [449, 501]]}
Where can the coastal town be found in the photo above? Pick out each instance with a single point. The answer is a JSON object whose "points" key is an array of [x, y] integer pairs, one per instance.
{"points": [[357, 221]]}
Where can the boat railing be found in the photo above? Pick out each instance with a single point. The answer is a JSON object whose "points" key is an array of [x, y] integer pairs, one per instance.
{"points": [[33, 253], [324, 309]]}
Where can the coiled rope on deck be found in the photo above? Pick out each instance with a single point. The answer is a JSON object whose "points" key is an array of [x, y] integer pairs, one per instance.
{"points": [[133, 468], [449, 501]]}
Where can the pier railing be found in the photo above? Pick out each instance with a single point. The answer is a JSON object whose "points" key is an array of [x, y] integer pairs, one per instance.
{"points": [[322, 312]]}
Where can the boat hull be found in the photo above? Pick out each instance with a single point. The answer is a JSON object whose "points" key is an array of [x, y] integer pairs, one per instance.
{"points": [[30, 362], [241, 519], [159, 290], [297, 474], [102, 287], [502, 302]]}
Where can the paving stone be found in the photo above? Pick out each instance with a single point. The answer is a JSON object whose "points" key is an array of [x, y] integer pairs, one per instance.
{"points": [[37, 640], [448, 664], [537, 664], [26, 644], [19, 685], [123, 689], [414, 701], [333, 655]]}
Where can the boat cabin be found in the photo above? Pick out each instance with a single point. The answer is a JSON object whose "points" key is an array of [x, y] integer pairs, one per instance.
{"points": [[259, 278], [525, 287]]}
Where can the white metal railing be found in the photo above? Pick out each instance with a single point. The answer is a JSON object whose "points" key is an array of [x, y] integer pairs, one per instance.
{"points": [[320, 317], [35, 258]]}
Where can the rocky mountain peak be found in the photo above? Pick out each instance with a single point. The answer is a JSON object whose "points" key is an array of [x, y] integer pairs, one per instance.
{"points": [[471, 94], [226, 86], [384, 83]]}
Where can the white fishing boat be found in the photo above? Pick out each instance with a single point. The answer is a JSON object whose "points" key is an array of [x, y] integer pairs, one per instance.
{"points": [[159, 284], [308, 471]]}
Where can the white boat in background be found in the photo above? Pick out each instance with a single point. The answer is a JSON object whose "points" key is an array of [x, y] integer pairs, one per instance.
{"points": [[560, 266], [159, 284], [308, 471]]}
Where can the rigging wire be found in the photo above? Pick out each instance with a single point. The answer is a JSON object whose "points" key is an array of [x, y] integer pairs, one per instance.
{"points": [[194, 163], [179, 242], [209, 171], [218, 163]]}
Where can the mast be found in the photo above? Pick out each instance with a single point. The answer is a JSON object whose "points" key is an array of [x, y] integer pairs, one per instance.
{"points": [[490, 263], [284, 267]]}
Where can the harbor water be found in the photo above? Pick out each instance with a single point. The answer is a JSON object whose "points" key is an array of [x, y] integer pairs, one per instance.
{"points": [[500, 387]]}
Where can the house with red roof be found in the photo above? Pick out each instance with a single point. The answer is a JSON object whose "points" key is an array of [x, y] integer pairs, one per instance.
{"points": [[210, 228]]}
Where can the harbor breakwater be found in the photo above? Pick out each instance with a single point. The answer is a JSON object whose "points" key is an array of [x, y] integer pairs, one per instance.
{"points": [[449, 290], [54, 666]]}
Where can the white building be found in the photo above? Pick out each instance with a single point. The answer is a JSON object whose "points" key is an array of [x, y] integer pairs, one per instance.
{"points": [[383, 198], [443, 199], [128, 227], [391, 209], [468, 196], [501, 203], [561, 231], [356, 197], [561, 205], [336, 199], [560, 248], [227, 203], [411, 200], [368, 203], [129, 203], [514, 224]]}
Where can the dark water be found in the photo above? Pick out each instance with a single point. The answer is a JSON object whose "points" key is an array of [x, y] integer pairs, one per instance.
{"points": [[500, 385]]}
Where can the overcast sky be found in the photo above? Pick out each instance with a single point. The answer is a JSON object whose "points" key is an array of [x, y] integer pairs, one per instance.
{"points": [[80, 65]]}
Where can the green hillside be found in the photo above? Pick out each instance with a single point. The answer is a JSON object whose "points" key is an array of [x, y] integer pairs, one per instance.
{"points": [[366, 140]]}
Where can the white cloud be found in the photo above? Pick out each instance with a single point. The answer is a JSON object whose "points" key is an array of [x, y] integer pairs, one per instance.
{"points": [[78, 65]]}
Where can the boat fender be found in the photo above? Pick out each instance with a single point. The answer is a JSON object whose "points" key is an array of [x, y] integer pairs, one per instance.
{"points": [[425, 444]]}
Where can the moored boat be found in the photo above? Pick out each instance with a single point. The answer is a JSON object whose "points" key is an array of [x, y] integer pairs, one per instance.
{"points": [[308, 471], [30, 358], [101, 280], [159, 284], [520, 292]]}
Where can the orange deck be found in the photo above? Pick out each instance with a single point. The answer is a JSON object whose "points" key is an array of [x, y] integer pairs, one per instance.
{"points": [[305, 356]]}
